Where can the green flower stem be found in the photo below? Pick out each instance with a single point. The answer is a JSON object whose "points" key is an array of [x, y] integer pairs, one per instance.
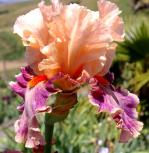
{"points": [[49, 127]]}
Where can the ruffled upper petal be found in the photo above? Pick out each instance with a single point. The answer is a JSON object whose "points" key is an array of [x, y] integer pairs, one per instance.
{"points": [[70, 38], [109, 17], [31, 29], [84, 35]]}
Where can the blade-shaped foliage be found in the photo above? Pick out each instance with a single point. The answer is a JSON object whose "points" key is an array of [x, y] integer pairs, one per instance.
{"points": [[135, 47]]}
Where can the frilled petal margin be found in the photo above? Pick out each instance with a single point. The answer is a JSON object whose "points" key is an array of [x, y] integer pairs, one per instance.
{"points": [[27, 128], [120, 104]]}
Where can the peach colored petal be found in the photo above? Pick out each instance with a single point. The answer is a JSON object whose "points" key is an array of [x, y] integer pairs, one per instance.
{"points": [[109, 16], [110, 54], [87, 34], [71, 38], [49, 66], [34, 57], [31, 28]]}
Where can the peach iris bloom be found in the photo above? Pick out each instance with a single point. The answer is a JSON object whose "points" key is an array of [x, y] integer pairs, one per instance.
{"points": [[66, 47], [70, 38]]}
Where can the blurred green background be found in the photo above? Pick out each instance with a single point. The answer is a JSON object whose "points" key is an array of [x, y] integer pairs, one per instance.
{"points": [[83, 131]]}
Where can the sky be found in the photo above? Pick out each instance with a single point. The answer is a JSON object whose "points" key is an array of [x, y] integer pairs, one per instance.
{"points": [[11, 1]]}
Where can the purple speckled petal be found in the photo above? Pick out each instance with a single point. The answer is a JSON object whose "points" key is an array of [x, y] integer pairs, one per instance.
{"points": [[27, 73], [120, 104], [17, 88], [21, 128], [35, 98], [22, 79], [34, 137], [27, 128], [28, 132]]}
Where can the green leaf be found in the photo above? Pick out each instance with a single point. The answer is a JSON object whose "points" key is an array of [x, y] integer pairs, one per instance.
{"points": [[135, 46], [140, 80]]}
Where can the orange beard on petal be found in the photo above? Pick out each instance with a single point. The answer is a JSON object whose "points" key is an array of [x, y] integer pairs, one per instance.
{"points": [[37, 79]]}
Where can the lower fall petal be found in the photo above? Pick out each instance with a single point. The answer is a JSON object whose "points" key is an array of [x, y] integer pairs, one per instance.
{"points": [[120, 104], [35, 101]]}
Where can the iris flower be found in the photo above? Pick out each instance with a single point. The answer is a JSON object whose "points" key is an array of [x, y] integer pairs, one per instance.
{"points": [[68, 46]]}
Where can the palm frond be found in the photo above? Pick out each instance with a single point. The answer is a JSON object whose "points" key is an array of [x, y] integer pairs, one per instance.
{"points": [[135, 47]]}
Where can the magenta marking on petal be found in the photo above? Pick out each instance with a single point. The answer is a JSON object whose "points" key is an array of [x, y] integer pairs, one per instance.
{"points": [[26, 72], [37, 96], [17, 88], [131, 128], [35, 99], [34, 137], [20, 79], [121, 105], [21, 129]]}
